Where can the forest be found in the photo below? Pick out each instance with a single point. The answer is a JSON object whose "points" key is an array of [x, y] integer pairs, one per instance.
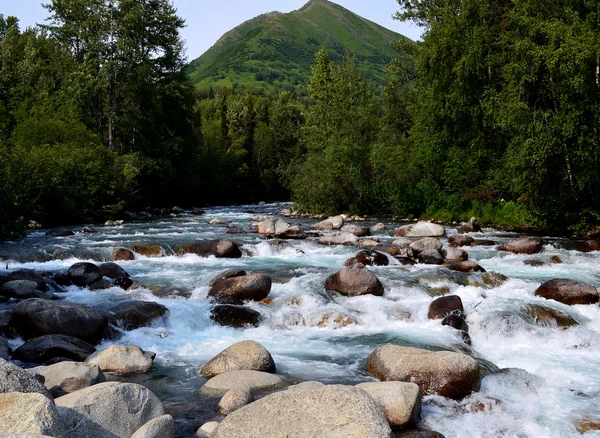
{"points": [[494, 113]]}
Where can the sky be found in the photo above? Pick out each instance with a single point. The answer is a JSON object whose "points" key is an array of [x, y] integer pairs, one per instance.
{"points": [[208, 20]]}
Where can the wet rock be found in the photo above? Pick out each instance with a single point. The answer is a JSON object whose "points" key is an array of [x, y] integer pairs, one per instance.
{"points": [[88, 230], [29, 414], [547, 316], [338, 238], [123, 282], [216, 248], [358, 231], [369, 258], [4, 348], [237, 289], [83, 274], [243, 380], [405, 261], [584, 426], [379, 227], [454, 254], [66, 377], [22, 290], [108, 410], [61, 232], [523, 245], [15, 379], [112, 270], [152, 251], [34, 317], [483, 242], [335, 320], [245, 355], [431, 257], [111, 223], [234, 400], [354, 281], [417, 433], [568, 291], [161, 427], [470, 227], [534, 263], [122, 359], [235, 316], [330, 411], [426, 244], [101, 284], [487, 280], [444, 306], [457, 240], [445, 373], [48, 347], [420, 229], [466, 266], [332, 223], [123, 254], [555, 260], [400, 401], [231, 229], [131, 315], [27, 274], [368, 243], [456, 321], [61, 279], [215, 221]]}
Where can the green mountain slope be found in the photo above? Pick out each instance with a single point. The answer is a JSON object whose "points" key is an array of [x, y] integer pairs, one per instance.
{"points": [[276, 50]]}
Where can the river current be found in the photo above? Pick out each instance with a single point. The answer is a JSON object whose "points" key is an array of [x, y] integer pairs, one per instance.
{"points": [[542, 379]]}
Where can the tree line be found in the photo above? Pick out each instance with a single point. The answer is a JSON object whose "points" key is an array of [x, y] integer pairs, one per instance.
{"points": [[494, 114]]}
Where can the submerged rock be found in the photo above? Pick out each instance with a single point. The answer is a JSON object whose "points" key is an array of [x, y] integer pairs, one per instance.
{"points": [[400, 401], [244, 380], [236, 289], [49, 347], [122, 359], [130, 315], [568, 291], [235, 316], [464, 266], [445, 373], [29, 414], [420, 229], [369, 258], [547, 316], [444, 306], [457, 240], [60, 232], [149, 250], [523, 245], [245, 355], [216, 248], [67, 377], [354, 281]]}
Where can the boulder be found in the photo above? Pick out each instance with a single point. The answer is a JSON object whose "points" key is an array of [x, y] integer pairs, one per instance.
{"points": [[15, 379], [420, 229], [215, 221], [466, 266], [123, 282], [236, 290], [245, 355], [445, 373], [22, 290], [34, 317], [216, 248], [27, 274], [273, 227], [369, 258], [338, 238], [161, 427], [523, 245], [207, 430], [83, 274], [151, 251], [108, 410], [233, 400], [355, 280], [332, 223], [235, 316], [444, 306], [400, 401], [60, 232], [378, 227], [112, 270], [130, 315], [534, 263], [457, 240], [424, 244], [568, 291], [122, 359], [244, 380], [4, 348], [66, 377], [230, 273], [546, 316], [356, 230], [431, 257], [123, 254], [49, 347], [555, 260], [29, 414], [456, 321], [452, 254], [470, 227], [330, 411]]}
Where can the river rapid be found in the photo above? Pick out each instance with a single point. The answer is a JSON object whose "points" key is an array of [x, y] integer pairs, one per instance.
{"points": [[542, 379]]}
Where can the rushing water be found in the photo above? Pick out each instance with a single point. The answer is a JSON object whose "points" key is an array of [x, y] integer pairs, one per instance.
{"points": [[553, 377]]}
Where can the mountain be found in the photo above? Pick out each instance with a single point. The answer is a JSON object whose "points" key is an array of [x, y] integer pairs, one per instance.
{"points": [[276, 50]]}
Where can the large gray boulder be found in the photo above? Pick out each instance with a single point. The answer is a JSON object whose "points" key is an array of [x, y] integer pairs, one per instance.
{"points": [[568, 291], [424, 244], [66, 377], [245, 355], [161, 427], [244, 380], [445, 373], [22, 290], [84, 274], [130, 315], [48, 347], [431, 257], [27, 274], [15, 379], [36, 317], [420, 229], [355, 280], [331, 223], [523, 245], [280, 228], [216, 248], [357, 230], [369, 258], [400, 401], [237, 289], [108, 410], [122, 359], [338, 238], [331, 411], [29, 414]]}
